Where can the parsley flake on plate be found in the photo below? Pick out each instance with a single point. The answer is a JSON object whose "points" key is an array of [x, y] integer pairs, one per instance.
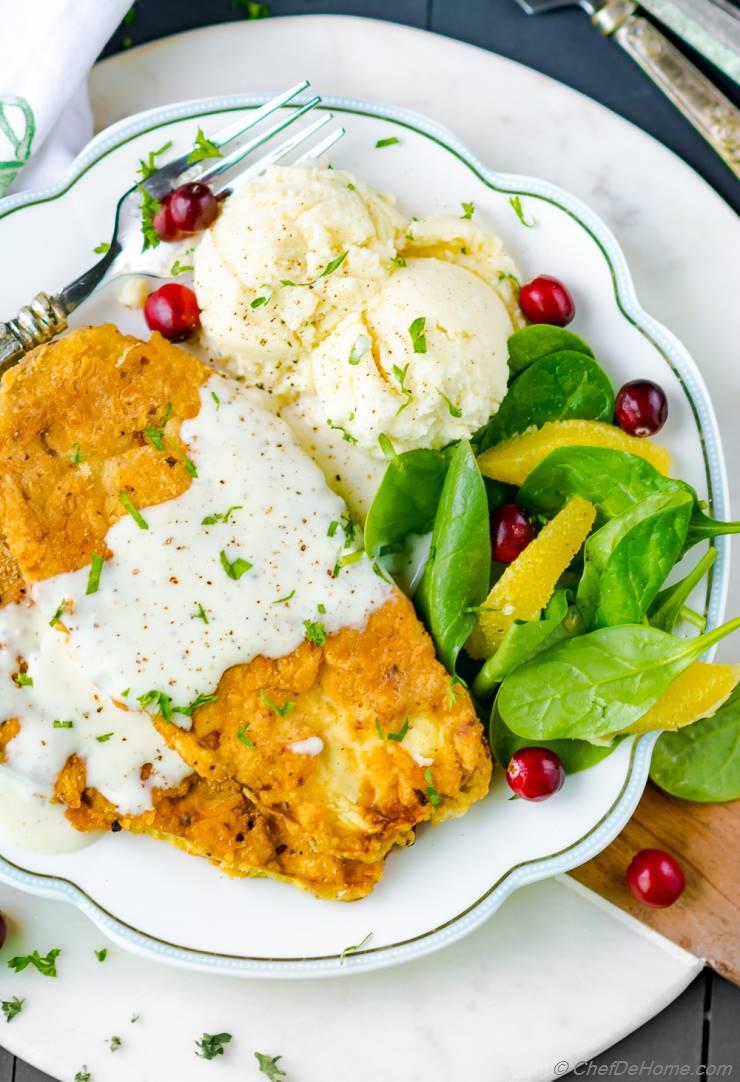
{"points": [[468, 211], [149, 207], [125, 500], [397, 736], [200, 614], [156, 698], [199, 700], [253, 9], [390, 141], [11, 1007], [432, 795], [102, 954], [83, 1075], [269, 1067], [221, 516], [346, 436], [56, 618], [279, 711], [103, 738], [180, 268], [96, 569], [203, 149], [355, 947], [283, 600], [149, 165], [45, 964], [216, 399], [315, 632], [262, 298], [401, 374], [359, 349], [115, 1043], [22, 680], [417, 332], [63, 724], [212, 1045], [516, 205], [234, 568], [455, 411], [102, 248]]}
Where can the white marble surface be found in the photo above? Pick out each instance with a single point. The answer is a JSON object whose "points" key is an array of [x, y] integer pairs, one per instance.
{"points": [[556, 974]]}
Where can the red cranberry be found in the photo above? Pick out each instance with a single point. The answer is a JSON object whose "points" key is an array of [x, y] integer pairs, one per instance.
{"points": [[546, 300], [192, 207], [173, 311], [641, 408], [655, 878], [535, 773], [511, 532], [162, 221]]}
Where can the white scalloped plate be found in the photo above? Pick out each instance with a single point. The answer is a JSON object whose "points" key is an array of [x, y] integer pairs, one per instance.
{"points": [[156, 901]]}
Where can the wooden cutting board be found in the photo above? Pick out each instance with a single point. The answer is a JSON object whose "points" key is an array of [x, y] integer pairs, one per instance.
{"points": [[705, 839]]}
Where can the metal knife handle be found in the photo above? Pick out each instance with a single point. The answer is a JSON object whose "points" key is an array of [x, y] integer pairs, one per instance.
{"points": [[39, 322], [712, 114]]}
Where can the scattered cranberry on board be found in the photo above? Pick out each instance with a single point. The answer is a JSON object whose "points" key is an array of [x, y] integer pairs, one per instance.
{"points": [[3, 931], [655, 878], [547, 300], [192, 207], [641, 408], [173, 311], [511, 532], [535, 773]]}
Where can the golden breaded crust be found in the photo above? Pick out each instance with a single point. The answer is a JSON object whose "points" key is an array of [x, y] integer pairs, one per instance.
{"points": [[98, 391], [364, 793], [225, 827]]}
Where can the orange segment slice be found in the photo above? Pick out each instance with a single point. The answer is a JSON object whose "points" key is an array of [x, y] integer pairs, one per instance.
{"points": [[697, 693], [513, 459], [528, 582]]}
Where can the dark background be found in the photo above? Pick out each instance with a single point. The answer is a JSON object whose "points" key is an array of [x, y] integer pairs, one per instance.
{"points": [[703, 1025]]}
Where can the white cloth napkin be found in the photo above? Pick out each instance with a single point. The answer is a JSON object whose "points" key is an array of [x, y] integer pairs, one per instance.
{"points": [[47, 48]]}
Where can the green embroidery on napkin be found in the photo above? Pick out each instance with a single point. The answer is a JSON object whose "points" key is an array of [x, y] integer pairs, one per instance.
{"points": [[18, 146]]}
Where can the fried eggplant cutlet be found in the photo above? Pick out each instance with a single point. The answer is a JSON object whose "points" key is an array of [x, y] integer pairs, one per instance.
{"points": [[289, 675]]}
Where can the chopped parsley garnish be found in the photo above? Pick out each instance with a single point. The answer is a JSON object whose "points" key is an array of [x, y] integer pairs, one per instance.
{"points": [[149, 207], [315, 632], [455, 411], [387, 447], [284, 600], [418, 335], [96, 569], [199, 700], [103, 738], [136, 515], [115, 1043], [269, 1067], [200, 614], [504, 276], [380, 572], [398, 261], [397, 736], [253, 9], [22, 680], [156, 698], [350, 558], [516, 205], [202, 149], [359, 349], [155, 434], [354, 947], [242, 735], [401, 374], [216, 399], [63, 724], [222, 516], [234, 568], [346, 436], [76, 456], [12, 1007], [451, 692], [190, 467], [125, 694], [264, 297], [390, 141], [102, 248], [333, 527], [348, 525], [149, 166], [468, 211], [58, 614], [180, 268], [212, 1045], [279, 711], [333, 265], [135, 1018], [46, 965], [321, 608], [432, 795], [102, 954], [83, 1075], [352, 187]]}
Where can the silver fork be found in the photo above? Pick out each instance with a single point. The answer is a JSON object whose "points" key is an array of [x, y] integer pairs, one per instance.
{"points": [[46, 316]]}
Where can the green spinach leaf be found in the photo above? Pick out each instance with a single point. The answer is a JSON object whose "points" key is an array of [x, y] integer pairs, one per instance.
{"points": [[457, 572], [539, 340], [627, 560], [702, 761], [592, 686], [406, 501], [558, 387], [668, 606], [524, 639], [575, 755]]}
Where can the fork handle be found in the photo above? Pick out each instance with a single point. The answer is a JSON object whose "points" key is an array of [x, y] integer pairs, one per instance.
{"points": [[40, 321], [711, 113]]}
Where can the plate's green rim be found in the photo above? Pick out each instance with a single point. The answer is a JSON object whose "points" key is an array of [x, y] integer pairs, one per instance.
{"points": [[685, 371]]}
